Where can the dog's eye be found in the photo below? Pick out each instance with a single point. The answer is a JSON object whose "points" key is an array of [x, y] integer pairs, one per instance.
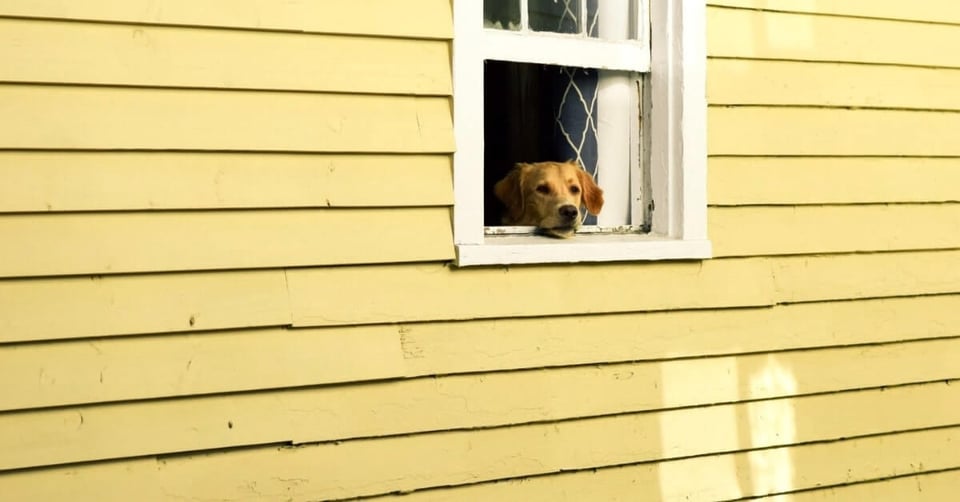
{"points": [[574, 189], [544, 189]]}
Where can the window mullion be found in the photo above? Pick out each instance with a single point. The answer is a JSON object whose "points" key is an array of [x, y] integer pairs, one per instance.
{"points": [[565, 50], [524, 15], [584, 29]]}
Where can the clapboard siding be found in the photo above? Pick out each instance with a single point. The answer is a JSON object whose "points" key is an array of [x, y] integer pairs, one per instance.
{"points": [[152, 303], [434, 404], [72, 244], [357, 468], [711, 478], [933, 487], [166, 119], [812, 131], [870, 275], [421, 18], [69, 52], [833, 229], [225, 271], [771, 82], [102, 370], [744, 33], [86, 181], [95, 306], [364, 295], [936, 11], [486, 345], [737, 181]]}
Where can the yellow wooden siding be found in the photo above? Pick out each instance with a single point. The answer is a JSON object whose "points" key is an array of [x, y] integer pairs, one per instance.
{"points": [[423, 405], [453, 347], [71, 244], [361, 295], [70, 52], [88, 181], [400, 293], [815, 131], [935, 487], [804, 37], [314, 143], [81, 307], [871, 275], [401, 463], [117, 305], [765, 82], [938, 11], [165, 119], [82, 371], [712, 478], [736, 181], [421, 18], [833, 229]]}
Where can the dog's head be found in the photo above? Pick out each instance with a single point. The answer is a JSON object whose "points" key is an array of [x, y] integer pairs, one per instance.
{"points": [[548, 195]]}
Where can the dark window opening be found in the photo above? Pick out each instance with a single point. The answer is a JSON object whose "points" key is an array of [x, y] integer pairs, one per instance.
{"points": [[534, 113]]}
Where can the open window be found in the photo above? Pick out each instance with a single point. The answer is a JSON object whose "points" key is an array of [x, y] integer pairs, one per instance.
{"points": [[616, 85]]}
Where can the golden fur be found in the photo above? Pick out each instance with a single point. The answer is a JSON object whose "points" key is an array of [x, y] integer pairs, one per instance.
{"points": [[548, 195]]}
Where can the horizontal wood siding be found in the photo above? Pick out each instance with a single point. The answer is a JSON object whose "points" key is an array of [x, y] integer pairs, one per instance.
{"points": [[84, 181], [96, 306], [737, 81], [436, 404], [139, 242], [166, 119], [225, 269], [852, 180], [930, 11], [749, 33], [104, 370], [706, 479], [359, 467], [422, 18], [71, 52]]}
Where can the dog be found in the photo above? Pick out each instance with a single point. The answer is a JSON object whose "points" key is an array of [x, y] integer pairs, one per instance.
{"points": [[548, 195]]}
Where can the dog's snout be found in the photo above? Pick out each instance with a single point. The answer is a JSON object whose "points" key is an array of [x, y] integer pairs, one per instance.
{"points": [[569, 211]]}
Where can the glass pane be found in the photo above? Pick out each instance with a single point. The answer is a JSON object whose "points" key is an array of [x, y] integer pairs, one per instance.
{"points": [[593, 18], [612, 19], [501, 14], [559, 16]]}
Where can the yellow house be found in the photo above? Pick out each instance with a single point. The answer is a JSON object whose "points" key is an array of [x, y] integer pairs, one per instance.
{"points": [[229, 267]]}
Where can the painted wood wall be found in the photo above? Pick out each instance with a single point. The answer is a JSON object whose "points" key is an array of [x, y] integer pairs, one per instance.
{"points": [[225, 242]]}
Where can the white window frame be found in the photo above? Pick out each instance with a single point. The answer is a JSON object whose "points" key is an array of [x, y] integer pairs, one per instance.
{"points": [[675, 122]]}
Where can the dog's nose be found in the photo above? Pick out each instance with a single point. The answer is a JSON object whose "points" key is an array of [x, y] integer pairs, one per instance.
{"points": [[569, 211]]}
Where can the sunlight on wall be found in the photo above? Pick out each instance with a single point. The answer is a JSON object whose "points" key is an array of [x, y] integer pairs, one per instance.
{"points": [[786, 32], [772, 32], [771, 423]]}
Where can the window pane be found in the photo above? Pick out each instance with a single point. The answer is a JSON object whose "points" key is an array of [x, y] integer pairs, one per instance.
{"points": [[501, 14], [593, 18], [559, 16], [612, 19]]}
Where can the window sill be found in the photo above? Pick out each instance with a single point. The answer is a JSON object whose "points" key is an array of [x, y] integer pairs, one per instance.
{"points": [[512, 249]]}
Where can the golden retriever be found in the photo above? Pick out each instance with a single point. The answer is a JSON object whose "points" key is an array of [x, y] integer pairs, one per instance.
{"points": [[548, 195]]}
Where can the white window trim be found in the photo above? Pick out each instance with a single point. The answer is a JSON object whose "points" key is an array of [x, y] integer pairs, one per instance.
{"points": [[677, 126]]}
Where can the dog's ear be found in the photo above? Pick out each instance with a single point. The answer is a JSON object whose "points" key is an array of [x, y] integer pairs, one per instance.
{"points": [[592, 194], [510, 191]]}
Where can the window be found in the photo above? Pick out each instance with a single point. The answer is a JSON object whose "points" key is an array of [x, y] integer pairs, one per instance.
{"points": [[617, 85]]}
